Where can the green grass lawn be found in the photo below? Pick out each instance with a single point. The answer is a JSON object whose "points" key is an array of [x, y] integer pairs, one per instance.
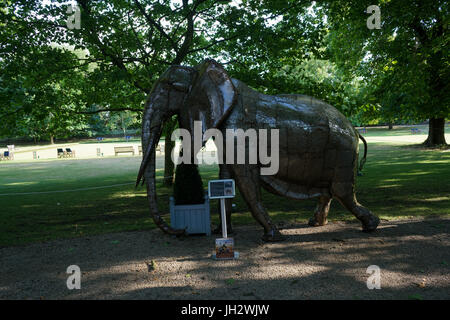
{"points": [[398, 182]]}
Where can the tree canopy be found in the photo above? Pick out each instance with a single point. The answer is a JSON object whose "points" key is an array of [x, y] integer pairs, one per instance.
{"points": [[127, 44], [405, 63], [59, 80]]}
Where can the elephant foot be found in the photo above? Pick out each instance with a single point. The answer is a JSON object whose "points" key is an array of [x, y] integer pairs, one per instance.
{"points": [[313, 222], [272, 236], [371, 224], [218, 230]]}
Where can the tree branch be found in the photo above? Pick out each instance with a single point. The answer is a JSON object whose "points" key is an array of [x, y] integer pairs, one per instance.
{"points": [[156, 25], [118, 62], [109, 110], [189, 34], [212, 44]]}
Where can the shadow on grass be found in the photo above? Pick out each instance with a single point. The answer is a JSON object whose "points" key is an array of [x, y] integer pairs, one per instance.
{"points": [[397, 182]]}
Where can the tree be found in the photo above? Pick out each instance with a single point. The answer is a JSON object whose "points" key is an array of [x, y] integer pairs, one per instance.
{"points": [[322, 79], [129, 43], [37, 101], [169, 145], [405, 61]]}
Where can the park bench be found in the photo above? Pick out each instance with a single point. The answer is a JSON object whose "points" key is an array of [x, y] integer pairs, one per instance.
{"points": [[118, 150], [158, 148], [70, 153], [60, 153]]}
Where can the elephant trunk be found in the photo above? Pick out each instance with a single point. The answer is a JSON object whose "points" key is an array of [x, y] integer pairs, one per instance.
{"points": [[151, 132]]}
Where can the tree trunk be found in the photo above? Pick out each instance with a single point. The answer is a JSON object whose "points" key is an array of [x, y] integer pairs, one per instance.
{"points": [[52, 139], [168, 163], [391, 126], [123, 127], [436, 133]]}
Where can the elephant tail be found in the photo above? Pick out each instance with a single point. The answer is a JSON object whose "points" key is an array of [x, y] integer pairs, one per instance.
{"points": [[363, 160]]}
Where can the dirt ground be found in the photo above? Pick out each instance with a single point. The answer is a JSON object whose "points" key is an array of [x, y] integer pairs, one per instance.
{"points": [[312, 263]]}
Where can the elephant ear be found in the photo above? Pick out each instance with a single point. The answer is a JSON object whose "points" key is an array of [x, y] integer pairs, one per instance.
{"points": [[212, 93]]}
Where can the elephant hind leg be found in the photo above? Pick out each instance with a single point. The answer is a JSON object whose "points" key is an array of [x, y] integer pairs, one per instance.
{"points": [[321, 212], [247, 179], [348, 199]]}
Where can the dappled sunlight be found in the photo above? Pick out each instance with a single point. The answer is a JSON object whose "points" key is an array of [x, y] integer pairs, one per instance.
{"points": [[414, 173], [443, 161], [389, 186], [122, 195], [392, 180], [353, 97], [437, 199], [329, 261], [24, 183]]}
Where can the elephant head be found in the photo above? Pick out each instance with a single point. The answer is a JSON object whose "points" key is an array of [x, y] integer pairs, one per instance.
{"points": [[204, 93]]}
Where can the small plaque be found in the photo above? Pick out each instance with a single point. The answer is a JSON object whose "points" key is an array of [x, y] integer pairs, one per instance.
{"points": [[218, 189], [224, 248]]}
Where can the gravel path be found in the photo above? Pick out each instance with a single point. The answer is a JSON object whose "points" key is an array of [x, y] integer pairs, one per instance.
{"points": [[312, 263]]}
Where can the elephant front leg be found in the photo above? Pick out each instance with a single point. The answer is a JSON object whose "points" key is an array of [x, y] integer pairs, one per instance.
{"points": [[224, 173], [321, 213], [247, 179]]}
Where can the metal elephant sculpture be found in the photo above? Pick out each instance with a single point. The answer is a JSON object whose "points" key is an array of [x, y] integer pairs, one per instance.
{"points": [[318, 146]]}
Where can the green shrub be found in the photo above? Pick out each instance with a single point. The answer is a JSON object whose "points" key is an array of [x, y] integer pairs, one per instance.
{"points": [[188, 186]]}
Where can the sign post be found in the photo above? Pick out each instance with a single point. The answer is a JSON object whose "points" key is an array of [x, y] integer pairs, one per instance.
{"points": [[223, 215], [223, 189]]}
